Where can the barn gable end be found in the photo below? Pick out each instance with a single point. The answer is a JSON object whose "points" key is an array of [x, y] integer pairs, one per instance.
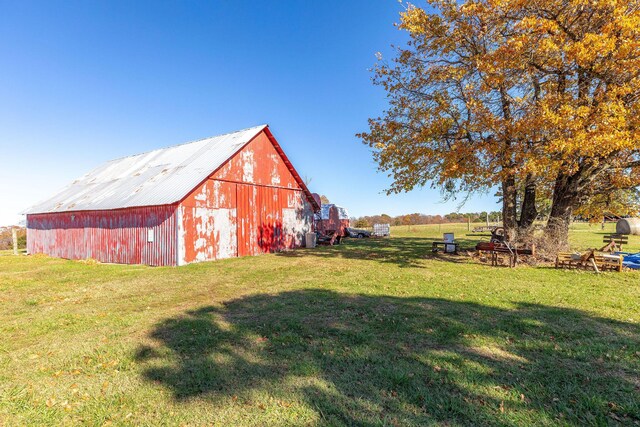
{"points": [[252, 204]]}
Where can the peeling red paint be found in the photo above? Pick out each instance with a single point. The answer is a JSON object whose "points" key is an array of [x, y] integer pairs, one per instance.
{"points": [[252, 205], [257, 163]]}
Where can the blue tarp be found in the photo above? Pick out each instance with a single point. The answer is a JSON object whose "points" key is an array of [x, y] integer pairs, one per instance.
{"points": [[630, 260]]}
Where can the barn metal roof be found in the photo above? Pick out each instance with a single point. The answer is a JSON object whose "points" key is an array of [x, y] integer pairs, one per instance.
{"points": [[158, 177]]}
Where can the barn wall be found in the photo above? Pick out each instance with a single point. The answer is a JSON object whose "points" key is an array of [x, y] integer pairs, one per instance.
{"points": [[271, 219], [207, 229], [115, 236], [252, 205]]}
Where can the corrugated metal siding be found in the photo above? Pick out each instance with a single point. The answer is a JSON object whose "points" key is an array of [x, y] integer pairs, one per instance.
{"points": [[208, 223], [270, 219], [226, 219], [252, 205], [247, 220], [114, 236]]}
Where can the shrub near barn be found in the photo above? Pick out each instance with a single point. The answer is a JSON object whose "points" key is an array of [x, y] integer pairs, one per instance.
{"points": [[6, 238]]}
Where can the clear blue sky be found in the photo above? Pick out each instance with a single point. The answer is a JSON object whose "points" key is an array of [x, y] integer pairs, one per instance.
{"points": [[84, 82]]}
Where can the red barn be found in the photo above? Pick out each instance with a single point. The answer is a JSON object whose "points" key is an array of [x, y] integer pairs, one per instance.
{"points": [[231, 195]]}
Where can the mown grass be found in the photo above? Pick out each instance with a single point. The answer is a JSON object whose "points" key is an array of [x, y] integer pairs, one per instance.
{"points": [[372, 332]]}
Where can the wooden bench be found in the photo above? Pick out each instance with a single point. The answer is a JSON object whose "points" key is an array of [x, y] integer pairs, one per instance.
{"points": [[590, 260], [614, 242], [607, 262], [569, 260]]}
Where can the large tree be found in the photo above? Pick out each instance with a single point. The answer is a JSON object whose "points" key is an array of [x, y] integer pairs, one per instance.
{"points": [[538, 98], [587, 57]]}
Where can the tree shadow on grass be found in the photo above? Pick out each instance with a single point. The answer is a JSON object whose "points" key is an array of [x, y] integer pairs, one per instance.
{"points": [[401, 251], [370, 360]]}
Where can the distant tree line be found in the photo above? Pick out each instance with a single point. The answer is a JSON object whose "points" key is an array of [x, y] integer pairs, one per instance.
{"points": [[418, 219]]}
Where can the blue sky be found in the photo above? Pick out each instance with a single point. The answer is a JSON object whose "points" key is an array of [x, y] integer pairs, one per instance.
{"points": [[84, 82]]}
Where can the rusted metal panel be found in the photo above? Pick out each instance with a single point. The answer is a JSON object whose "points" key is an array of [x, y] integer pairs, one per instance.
{"points": [[208, 223], [144, 235]]}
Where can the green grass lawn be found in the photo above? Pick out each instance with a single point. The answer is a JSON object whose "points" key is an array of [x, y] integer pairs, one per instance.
{"points": [[371, 332]]}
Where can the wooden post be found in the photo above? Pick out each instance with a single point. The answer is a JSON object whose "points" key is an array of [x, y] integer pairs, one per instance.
{"points": [[469, 223], [14, 235]]}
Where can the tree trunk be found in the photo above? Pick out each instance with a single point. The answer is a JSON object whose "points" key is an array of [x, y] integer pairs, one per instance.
{"points": [[565, 200], [509, 217], [509, 191], [528, 213]]}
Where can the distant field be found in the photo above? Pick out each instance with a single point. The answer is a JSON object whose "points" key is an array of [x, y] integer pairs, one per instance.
{"points": [[582, 235], [371, 332]]}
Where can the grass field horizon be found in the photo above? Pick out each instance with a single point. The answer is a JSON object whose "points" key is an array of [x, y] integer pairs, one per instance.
{"points": [[371, 332]]}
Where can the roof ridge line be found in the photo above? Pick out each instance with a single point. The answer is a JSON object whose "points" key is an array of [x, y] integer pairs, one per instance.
{"points": [[185, 143]]}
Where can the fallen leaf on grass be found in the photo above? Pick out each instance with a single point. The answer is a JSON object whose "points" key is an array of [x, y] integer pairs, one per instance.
{"points": [[284, 404]]}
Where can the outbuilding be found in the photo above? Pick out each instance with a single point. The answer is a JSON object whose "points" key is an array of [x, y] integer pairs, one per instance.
{"points": [[230, 195], [332, 218]]}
